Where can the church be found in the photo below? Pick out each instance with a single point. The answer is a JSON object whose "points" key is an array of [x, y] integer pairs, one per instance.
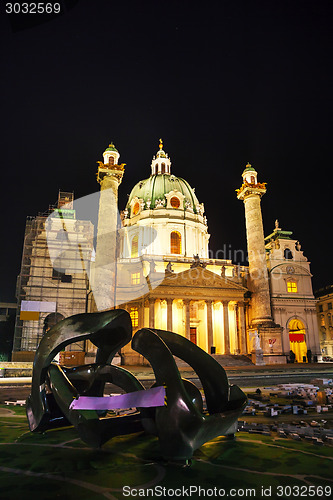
{"points": [[160, 269], [154, 261]]}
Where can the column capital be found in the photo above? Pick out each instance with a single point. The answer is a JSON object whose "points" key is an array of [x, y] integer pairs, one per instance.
{"points": [[225, 302]]}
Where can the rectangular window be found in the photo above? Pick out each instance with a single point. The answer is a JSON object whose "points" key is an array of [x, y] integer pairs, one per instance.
{"points": [[135, 278], [320, 307], [134, 313], [292, 287], [329, 305]]}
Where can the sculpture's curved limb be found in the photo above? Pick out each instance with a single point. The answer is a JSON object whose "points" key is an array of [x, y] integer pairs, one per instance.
{"points": [[108, 330], [92, 430], [212, 376], [181, 428]]}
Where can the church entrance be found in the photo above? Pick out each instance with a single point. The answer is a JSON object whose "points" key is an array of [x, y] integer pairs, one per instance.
{"points": [[297, 340], [193, 335]]}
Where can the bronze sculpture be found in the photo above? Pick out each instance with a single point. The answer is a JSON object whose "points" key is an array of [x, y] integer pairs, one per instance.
{"points": [[181, 425]]}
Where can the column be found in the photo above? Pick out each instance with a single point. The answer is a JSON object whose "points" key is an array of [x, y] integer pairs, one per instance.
{"points": [[169, 314], [226, 326], [242, 329], [187, 318], [210, 339], [151, 312]]}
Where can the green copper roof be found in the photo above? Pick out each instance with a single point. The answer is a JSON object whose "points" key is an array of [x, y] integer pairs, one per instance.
{"points": [[157, 186], [282, 235], [249, 168], [112, 148]]}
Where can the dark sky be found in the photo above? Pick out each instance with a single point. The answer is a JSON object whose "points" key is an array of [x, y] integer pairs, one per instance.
{"points": [[222, 82]]}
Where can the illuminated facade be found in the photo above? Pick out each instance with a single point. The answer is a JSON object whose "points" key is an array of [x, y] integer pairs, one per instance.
{"points": [[268, 307], [154, 262], [292, 299], [325, 320]]}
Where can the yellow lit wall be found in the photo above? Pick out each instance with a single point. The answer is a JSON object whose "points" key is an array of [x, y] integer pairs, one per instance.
{"points": [[161, 314], [177, 317], [218, 334]]}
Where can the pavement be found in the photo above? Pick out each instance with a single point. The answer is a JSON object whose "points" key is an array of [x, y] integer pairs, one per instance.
{"points": [[279, 371]]}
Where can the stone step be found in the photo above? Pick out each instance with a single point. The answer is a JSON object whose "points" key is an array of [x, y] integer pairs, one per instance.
{"points": [[223, 360]]}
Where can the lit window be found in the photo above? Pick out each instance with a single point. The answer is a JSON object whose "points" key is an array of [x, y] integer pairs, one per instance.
{"points": [[322, 320], [134, 313], [292, 287], [136, 208], [135, 278], [135, 247], [175, 242], [174, 202], [111, 160]]}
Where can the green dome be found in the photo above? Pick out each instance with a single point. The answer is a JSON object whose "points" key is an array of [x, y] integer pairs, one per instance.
{"points": [[111, 148], [158, 185], [249, 168]]}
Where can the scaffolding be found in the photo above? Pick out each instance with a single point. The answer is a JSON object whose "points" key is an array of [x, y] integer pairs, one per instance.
{"points": [[54, 279]]}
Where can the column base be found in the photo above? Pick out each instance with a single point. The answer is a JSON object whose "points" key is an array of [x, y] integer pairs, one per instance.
{"points": [[257, 357]]}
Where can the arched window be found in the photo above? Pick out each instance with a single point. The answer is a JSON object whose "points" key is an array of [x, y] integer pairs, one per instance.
{"points": [[288, 254], [253, 180], [175, 242], [136, 208], [111, 160], [163, 168], [135, 247], [174, 202]]}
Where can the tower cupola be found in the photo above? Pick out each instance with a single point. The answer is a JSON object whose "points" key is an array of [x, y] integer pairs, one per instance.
{"points": [[250, 174], [161, 163], [111, 155]]}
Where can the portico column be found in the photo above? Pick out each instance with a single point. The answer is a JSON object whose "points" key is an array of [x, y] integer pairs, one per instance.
{"points": [[169, 314], [210, 340], [226, 326], [242, 330], [151, 313], [187, 318]]}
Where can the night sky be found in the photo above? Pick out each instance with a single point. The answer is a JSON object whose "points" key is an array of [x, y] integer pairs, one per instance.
{"points": [[222, 82]]}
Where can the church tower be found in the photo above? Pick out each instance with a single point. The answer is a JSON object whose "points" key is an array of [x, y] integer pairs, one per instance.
{"points": [[109, 176]]}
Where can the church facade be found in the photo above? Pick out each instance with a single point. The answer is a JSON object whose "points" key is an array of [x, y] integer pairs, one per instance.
{"points": [[155, 263], [166, 279]]}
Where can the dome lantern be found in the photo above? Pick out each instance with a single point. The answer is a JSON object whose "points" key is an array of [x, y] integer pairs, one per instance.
{"points": [[161, 163]]}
